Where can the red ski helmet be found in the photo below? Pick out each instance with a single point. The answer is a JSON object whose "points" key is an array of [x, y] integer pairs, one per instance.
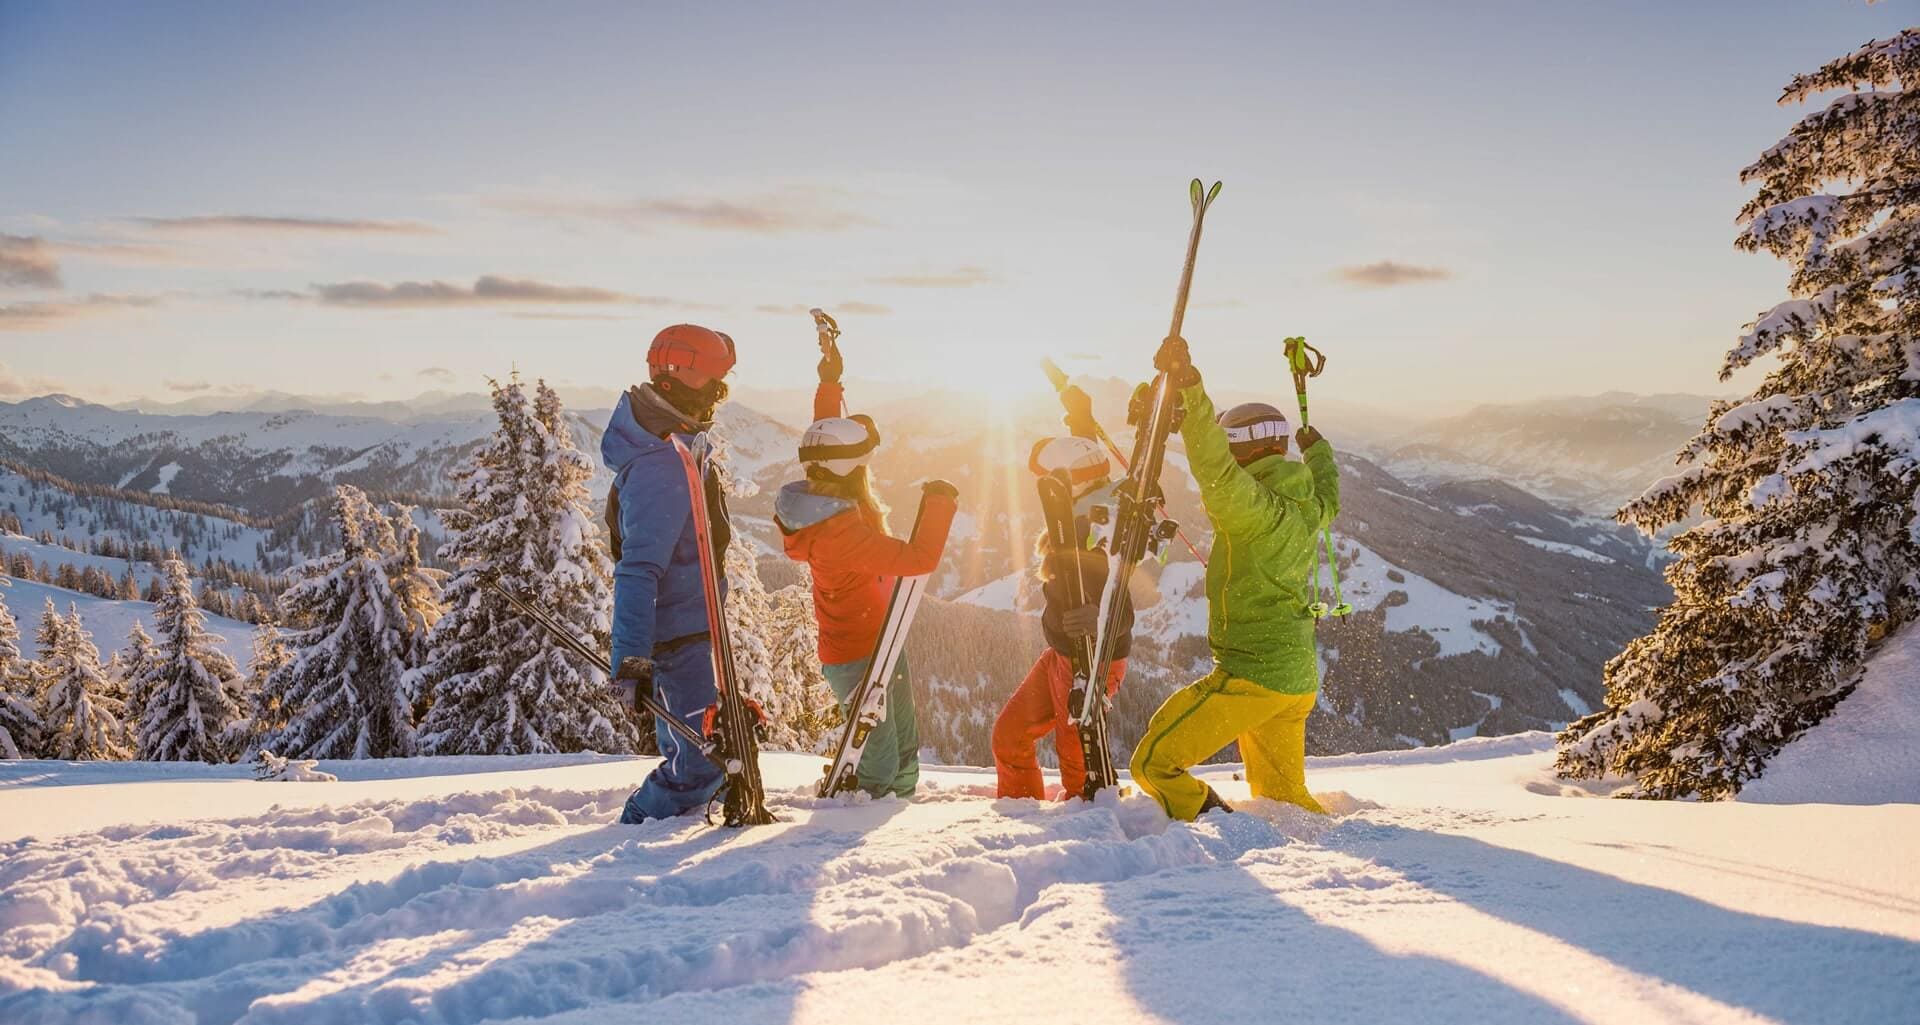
{"points": [[690, 347]]}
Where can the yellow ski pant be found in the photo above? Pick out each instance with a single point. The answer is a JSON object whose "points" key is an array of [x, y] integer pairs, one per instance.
{"points": [[1195, 722]]}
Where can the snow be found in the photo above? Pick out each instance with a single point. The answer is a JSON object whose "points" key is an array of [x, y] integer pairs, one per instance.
{"points": [[1002, 593], [1564, 549], [1463, 881], [1444, 615], [167, 474], [55, 556], [108, 621], [1575, 702], [1864, 752]]}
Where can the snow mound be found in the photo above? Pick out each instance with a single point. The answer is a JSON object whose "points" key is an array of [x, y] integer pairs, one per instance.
{"points": [[1864, 753], [509, 894]]}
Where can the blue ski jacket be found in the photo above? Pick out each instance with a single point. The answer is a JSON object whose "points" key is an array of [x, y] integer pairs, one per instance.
{"points": [[658, 594]]}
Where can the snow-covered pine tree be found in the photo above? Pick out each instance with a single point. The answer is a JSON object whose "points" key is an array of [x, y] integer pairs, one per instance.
{"points": [[186, 707], [131, 663], [263, 715], [499, 684], [19, 705], [345, 693], [1810, 550], [80, 718], [809, 710]]}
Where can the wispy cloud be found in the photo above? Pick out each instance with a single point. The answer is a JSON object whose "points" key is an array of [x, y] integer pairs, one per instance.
{"points": [[850, 306], [34, 316], [789, 210], [17, 386], [282, 225], [488, 290], [26, 261], [959, 277], [439, 374], [597, 316], [188, 386], [1390, 274]]}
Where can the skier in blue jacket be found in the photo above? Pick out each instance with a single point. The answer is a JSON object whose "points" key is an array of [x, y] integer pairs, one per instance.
{"points": [[659, 599]]}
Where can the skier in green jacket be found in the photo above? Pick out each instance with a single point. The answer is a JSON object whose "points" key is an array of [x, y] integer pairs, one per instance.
{"points": [[1267, 512]]}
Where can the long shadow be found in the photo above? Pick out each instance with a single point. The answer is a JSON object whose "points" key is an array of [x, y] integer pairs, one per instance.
{"points": [[625, 917], [1787, 971], [1215, 944]]}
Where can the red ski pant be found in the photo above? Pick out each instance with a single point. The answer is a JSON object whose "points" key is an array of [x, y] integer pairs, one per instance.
{"points": [[1037, 706]]}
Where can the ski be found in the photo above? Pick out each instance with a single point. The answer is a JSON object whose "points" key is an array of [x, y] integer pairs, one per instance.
{"points": [[1132, 527], [733, 720], [867, 705], [1089, 676], [1058, 378]]}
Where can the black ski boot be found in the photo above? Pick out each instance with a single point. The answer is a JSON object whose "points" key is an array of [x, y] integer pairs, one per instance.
{"points": [[1213, 803]]}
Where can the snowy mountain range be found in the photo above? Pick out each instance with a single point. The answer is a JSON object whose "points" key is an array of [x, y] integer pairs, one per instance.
{"points": [[1480, 608]]}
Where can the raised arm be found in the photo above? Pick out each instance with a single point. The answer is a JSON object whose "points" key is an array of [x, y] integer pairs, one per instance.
{"points": [[1234, 499], [872, 551]]}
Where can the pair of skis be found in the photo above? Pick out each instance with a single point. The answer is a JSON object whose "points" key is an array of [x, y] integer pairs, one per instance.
{"points": [[1128, 530]]}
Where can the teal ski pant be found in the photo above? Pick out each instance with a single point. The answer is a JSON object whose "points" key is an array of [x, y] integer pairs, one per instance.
{"points": [[891, 762]]}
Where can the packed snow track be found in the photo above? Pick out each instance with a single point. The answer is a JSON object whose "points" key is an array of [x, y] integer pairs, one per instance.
{"points": [[1455, 885]]}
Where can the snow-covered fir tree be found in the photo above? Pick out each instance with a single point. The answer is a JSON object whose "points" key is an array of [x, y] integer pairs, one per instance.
{"points": [[19, 713], [345, 693], [262, 714], [1810, 549], [80, 717], [131, 664], [186, 707], [498, 684]]}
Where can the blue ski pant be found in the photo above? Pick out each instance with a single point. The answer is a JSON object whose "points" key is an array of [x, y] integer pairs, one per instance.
{"points": [[891, 762], [685, 779]]}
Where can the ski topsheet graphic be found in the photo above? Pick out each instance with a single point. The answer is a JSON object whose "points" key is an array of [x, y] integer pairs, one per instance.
{"points": [[867, 705], [733, 721]]}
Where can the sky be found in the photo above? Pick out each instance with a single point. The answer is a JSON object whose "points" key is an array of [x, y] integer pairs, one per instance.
{"points": [[1458, 202]]}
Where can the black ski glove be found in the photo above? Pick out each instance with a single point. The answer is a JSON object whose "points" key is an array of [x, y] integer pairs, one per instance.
{"points": [[1081, 622], [1176, 362], [831, 365], [1079, 419], [937, 486], [634, 681], [1308, 437]]}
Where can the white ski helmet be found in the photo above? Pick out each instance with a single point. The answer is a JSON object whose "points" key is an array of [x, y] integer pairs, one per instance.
{"points": [[1082, 459], [839, 444], [1255, 429]]}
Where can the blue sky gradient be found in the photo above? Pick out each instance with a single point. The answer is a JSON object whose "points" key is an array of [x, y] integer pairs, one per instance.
{"points": [[985, 182]]}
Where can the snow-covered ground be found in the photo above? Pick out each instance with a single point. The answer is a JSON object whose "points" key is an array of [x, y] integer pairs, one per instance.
{"points": [[1865, 752], [1458, 884]]}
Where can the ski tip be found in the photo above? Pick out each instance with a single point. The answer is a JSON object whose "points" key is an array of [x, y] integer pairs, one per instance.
{"points": [[816, 313], [1194, 193], [1212, 193]]}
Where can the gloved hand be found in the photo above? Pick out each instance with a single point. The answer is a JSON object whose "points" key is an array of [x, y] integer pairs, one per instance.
{"points": [[831, 365], [634, 680], [1307, 437], [1081, 622], [1079, 405], [937, 486], [1176, 362]]}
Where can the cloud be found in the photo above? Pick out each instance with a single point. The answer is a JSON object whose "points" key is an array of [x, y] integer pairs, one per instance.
{"points": [[14, 386], [26, 261], [1389, 274], [35, 316], [850, 306], [273, 293], [440, 374], [490, 289], [188, 386], [594, 316], [784, 211], [283, 225], [959, 277], [119, 252]]}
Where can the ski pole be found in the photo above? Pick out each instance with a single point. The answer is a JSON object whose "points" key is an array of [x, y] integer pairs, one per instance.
{"points": [[1306, 361], [578, 647], [1059, 379], [829, 331]]}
